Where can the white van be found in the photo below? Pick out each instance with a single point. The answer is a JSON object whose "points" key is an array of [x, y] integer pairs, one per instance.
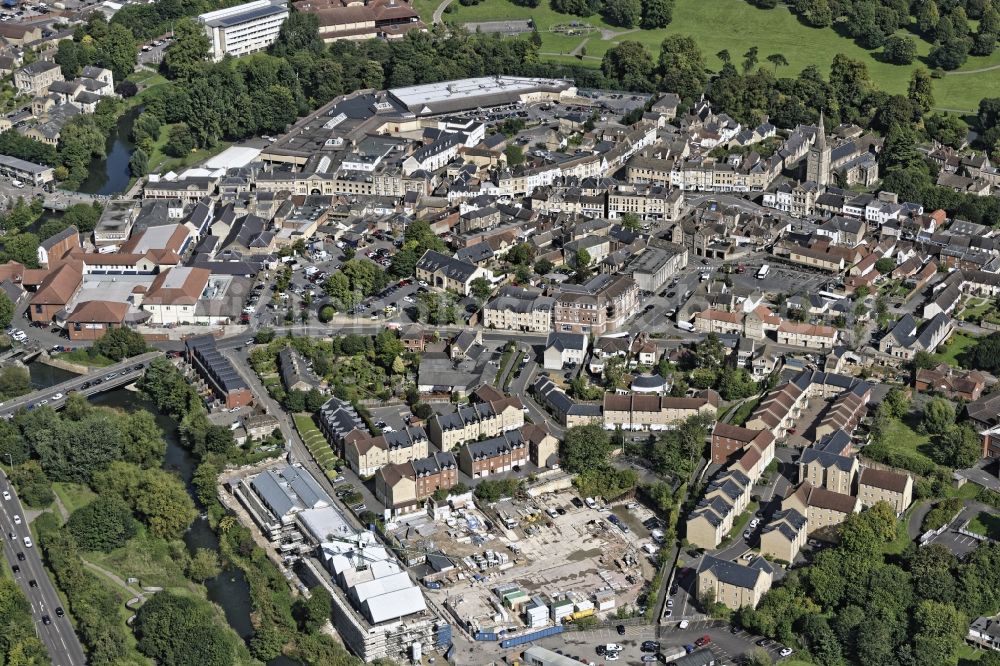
{"points": [[17, 183]]}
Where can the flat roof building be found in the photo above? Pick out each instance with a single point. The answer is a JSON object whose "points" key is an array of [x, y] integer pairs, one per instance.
{"points": [[244, 29]]}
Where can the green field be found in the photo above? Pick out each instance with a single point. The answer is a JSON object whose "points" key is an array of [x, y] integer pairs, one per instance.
{"points": [[736, 25]]}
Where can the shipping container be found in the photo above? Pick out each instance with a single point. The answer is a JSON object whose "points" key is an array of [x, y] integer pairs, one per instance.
{"points": [[532, 636]]}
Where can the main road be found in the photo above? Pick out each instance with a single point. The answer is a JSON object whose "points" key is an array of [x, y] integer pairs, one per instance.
{"points": [[58, 636], [102, 379]]}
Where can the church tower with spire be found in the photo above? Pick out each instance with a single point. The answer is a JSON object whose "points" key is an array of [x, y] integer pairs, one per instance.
{"points": [[818, 160]]}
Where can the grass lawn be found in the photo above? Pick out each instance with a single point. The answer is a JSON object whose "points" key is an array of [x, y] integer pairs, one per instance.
{"points": [[147, 558], [902, 437], [987, 524], [73, 495], [969, 655], [740, 416], [160, 161], [736, 25], [955, 348], [83, 358], [315, 442], [742, 519], [975, 308], [902, 540]]}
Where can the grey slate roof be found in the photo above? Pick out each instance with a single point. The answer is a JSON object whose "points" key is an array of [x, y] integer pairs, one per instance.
{"points": [[736, 574]]}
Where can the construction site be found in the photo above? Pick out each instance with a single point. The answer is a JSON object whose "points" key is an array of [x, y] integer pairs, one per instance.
{"points": [[515, 568]]}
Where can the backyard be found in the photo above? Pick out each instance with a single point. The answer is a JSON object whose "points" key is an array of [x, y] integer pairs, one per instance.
{"points": [[772, 30], [955, 348]]}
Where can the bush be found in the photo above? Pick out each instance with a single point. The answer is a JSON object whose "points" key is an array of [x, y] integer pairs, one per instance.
{"points": [[326, 313], [943, 512], [119, 344]]}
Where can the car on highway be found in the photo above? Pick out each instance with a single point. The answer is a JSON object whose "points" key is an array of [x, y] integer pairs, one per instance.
{"points": [[111, 376], [57, 396], [17, 519], [138, 366], [16, 569], [46, 620], [32, 583], [59, 611], [6, 494], [20, 557], [27, 542]]}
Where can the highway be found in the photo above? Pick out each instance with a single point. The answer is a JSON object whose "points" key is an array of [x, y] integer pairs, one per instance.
{"points": [[98, 381], [58, 636]]}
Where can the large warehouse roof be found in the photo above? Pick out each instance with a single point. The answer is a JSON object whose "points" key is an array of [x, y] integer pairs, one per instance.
{"points": [[449, 96]]}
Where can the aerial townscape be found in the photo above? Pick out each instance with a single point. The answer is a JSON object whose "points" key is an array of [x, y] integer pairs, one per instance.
{"points": [[482, 332]]}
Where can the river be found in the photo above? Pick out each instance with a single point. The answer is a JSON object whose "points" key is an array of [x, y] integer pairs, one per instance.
{"points": [[229, 589], [110, 175]]}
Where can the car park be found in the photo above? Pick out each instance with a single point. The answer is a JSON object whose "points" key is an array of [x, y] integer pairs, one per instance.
{"points": [[703, 641], [649, 646]]}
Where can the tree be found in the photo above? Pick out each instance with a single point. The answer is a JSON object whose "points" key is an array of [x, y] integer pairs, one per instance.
{"points": [[138, 164], [143, 444], [544, 266], [176, 630], [750, 59], [117, 51], [940, 630], [22, 248], [896, 403], [180, 141], [867, 532], [104, 524], [921, 89], [514, 154], [938, 416], [657, 14], [204, 564], [927, 17], [120, 343], [815, 12], [157, 497], [682, 66], [899, 50], [959, 447], [299, 33], [585, 448], [947, 128], [6, 310], [631, 222], [315, 611], [630, 65], [623, 13], [778, 60], [190, 48], [986, 354], [480, 289], [885, 265], [951, 54]]}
